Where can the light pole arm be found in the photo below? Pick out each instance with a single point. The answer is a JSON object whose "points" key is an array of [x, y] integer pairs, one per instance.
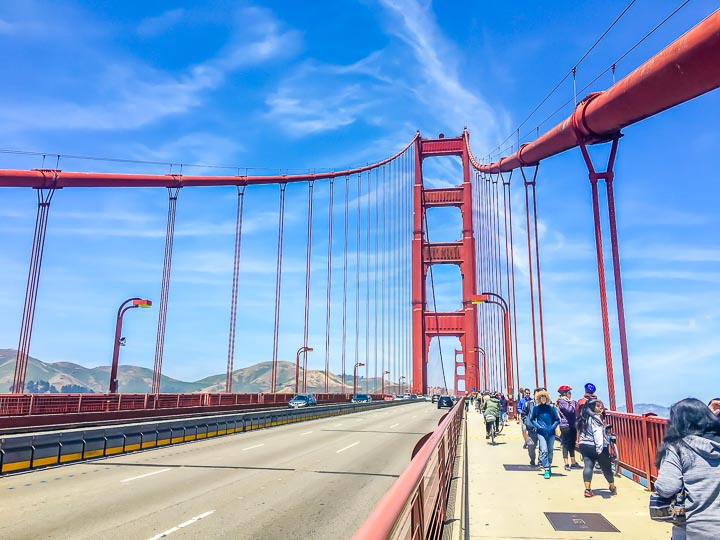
{"points": [[133, 303]]}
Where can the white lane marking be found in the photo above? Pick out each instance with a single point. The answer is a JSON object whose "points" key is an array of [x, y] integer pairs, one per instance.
{"points": [[338, 425], [175, 529], [251, 447], [348, 446], [394, 425], [306, 433], [144, 475]]}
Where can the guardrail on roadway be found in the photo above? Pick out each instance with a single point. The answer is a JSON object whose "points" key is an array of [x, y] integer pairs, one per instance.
{"points": [[415, 505], [24, 452]]}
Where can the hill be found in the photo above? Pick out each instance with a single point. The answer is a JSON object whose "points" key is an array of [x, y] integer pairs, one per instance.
{"points": [[640, 408], [67, 377]]}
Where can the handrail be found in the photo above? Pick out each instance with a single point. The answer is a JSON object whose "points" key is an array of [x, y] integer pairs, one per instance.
{"points": [[414, 506], [638, 438]]}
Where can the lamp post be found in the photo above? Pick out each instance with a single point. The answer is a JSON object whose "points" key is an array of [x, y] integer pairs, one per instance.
{"points": [[492, 298], [130, 303], [357, 365], [400, 384], [482, 351], [383, 383], [297, 367]]}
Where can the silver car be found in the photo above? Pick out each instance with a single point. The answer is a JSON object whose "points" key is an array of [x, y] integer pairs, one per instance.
{"points": [[302, 400]]}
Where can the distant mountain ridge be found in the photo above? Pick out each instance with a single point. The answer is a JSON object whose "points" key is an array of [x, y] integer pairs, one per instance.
{"points": [[640, 408], [133, 379]]}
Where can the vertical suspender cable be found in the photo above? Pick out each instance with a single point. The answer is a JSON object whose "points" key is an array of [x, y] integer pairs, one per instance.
{"points": [[537, 267], [345, 272], [375, 277], [234, 293], [31, 289], [367, 288], [501, 335], [357, 275], [165, 288], [328, 285], [532, 287], [382, 293], [278, 283], [308, 256], [511, 272]]}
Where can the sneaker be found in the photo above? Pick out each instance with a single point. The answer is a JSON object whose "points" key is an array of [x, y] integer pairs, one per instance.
{"points": [[532, 464], [576, 466], [567, 467], [613, 490], [589, 493], [546, 475], [487, 437], [540, 467]]}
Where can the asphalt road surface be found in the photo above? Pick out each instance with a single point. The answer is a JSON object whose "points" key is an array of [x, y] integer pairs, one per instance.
{"points": [[316, 480]]}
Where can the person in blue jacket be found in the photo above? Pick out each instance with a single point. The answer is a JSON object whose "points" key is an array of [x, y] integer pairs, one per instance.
{"points": [[545, 420]]}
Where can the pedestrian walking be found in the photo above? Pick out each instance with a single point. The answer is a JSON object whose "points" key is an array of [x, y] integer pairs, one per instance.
{"points": [[589, 394], [545, 419], [525, 398], [566, 407], [594, 445], [689, 459], [531, 437]]}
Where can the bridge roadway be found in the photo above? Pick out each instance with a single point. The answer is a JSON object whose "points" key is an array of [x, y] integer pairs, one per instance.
{"points": [[511, 504], [317, 479]]}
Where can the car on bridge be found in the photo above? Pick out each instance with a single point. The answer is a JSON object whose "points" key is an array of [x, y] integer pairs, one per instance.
{"points": [[302, 400], [445, 401], [435, 397], [361, 398]]}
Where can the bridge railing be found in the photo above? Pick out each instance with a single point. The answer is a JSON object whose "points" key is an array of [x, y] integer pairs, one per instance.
{"points": [[639, 437], [415, 505], [48, 404]]}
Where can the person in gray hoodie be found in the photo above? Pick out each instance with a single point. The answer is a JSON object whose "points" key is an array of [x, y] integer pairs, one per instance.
{"points": [[593, 445], [689, 457]]}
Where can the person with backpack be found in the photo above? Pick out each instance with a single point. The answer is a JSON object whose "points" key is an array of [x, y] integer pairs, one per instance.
{"points": [[491, 409], [566, 407], [531, 438], [594, 445], [689, 459], [545, 419], [589, 394]]}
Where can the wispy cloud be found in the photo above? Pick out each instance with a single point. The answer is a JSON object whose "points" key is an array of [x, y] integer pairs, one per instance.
{"points": [[153, 26], [129, 94]]}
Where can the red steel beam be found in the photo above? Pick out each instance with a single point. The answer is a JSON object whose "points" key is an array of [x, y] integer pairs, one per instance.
{"points": [[685, 69], [53, 179]]}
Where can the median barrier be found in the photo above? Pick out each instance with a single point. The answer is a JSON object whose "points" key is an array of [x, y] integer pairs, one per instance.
{"points": [[20, 453]]}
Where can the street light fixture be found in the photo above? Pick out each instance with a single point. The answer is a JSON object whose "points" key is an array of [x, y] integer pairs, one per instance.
{"points": [[297, 367], [357, 365], [383, 383], [481, 350], [130, 303], [492, 298]]}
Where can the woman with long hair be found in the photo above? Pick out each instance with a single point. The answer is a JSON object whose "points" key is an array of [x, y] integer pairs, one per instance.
{"points": [[689, 457], [544, 418], [594, 445]]}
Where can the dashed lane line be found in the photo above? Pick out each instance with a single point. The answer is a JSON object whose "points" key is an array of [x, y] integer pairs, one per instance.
{"points": [[306, 433], [251, 447], [144, 475], [394, 425], [185, 524], [347, 447]]}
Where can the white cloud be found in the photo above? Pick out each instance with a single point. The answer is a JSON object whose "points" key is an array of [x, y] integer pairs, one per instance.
{"points": [[153, 26]]}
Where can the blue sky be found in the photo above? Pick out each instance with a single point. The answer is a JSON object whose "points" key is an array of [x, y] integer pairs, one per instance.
{"points": [[283, 86]]}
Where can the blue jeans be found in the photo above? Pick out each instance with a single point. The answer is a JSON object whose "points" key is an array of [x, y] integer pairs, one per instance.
{"points": [[546, 443]]}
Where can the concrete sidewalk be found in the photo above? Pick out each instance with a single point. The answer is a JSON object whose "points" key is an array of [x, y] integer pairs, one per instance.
{"points": [[511, 504]]}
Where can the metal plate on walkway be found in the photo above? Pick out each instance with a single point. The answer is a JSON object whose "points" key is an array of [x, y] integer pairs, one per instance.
{"points": [[566, 521], [519, 467]]}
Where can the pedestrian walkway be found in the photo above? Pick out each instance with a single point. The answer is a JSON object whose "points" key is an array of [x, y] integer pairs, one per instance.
{"points": [[511, 504]]}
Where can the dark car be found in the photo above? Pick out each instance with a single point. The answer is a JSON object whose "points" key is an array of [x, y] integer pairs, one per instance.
{"points": [[445, 401], [302, 400], [435, 397], [361, 398]]}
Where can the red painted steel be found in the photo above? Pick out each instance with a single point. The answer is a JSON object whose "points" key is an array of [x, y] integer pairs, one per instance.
{"points": [[639, 437], [685, 69], [414, 506], [45, 178], [429, 324]]}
